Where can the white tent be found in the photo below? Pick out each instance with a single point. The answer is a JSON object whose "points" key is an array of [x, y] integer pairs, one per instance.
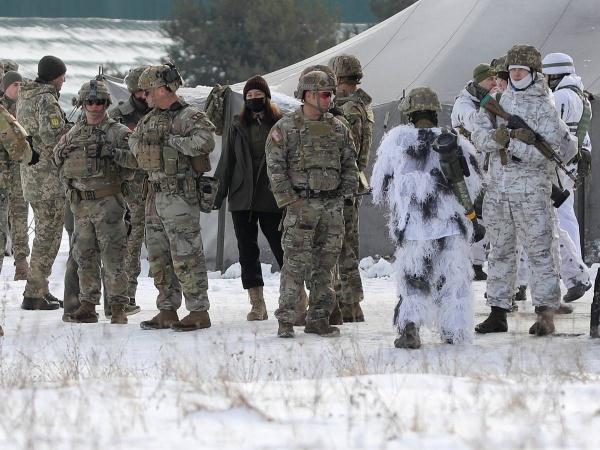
{"points": [[437, 43]]}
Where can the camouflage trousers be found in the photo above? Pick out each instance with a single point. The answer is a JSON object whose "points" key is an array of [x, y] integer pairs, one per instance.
{"points": [[4, 201], [133, 265], [528, 219], [48, 217], [175, 251], [312, 238], [18, 212], [100, 240], [347, 282]]}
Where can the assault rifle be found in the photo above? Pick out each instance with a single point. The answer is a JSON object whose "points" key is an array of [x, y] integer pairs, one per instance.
{"points": [[515, 122], [357, 194], [454, 167]]}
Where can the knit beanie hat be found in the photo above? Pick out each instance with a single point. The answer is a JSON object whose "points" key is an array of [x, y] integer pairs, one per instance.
{"points": [[50, 68], [257, 82], [481, 72], [10, 77]]}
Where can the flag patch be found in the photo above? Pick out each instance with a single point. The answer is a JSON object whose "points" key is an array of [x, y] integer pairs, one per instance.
{"points": [[276, 136]]}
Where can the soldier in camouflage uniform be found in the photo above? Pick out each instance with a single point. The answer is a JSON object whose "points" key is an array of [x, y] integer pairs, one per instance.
{"points": [[85, 159], [40, 114], [19, 209], [129, 113], [356, 107], [172, 143], [311, 162], [517, 204], [14, 149], [10, 65]]}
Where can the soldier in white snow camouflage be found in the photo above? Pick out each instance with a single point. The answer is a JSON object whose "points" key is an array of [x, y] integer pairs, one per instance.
{"points": [[517, 204]]}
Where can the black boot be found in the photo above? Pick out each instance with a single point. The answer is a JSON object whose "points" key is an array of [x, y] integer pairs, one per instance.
{"points": [[35, 303], [495, 323]]}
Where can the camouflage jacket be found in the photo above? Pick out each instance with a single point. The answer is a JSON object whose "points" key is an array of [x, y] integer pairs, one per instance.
{"points": [[129, 113], [299, 157], [359, 114], [108, 173], [40, 114], [187, 130], [527, 171], [14, 148], [9, 104]]}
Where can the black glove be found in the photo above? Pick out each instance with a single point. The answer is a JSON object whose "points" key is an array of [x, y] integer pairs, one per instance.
{"points": [[35, 158], [105, 151]]}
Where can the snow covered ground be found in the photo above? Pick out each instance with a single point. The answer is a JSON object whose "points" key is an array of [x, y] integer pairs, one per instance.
{"points": [[236, 385]]}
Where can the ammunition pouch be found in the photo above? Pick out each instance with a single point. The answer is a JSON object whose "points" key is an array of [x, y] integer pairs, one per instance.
{"points": [[207, 188], [201, 164], [148, 156], [82, 162]]}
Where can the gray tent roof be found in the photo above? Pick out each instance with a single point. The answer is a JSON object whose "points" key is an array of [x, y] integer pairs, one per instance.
{"points": [[437, 43]]}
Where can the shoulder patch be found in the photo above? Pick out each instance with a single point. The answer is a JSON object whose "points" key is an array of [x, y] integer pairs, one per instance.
{"points": [[54, 120], [276, 135]]}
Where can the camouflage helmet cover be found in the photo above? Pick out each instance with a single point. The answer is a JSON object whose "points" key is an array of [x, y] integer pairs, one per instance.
{"points": [[164, 75], [421, 98], [499, 64], [315, 80], [9, 64], [346, 66], [320, 67], [93, 90], [524, 55], [133, 77]]}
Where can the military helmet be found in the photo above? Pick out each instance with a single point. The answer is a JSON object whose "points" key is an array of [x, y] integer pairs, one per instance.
{"points": [[133, 77], [164, 75], [94, 90], [315, 80], [421, 98], [320, 67], [499, 64], [346, 66], [9, 64], [524, 55], [556, 64]]}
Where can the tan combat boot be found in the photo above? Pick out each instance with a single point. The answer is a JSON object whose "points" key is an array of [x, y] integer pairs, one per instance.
{"points": [[195, 320], [300, 320], [86, 313], [21, 269], [285, 330], [118, 315], [257, 300], [352, 313], [322, 328], [544, 323], [409, 337], [164, 319]]}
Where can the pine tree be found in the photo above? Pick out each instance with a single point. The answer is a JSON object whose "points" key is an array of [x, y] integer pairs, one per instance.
{"points": [[228, 41]]}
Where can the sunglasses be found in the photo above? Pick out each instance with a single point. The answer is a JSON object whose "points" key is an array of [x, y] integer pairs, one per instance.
{"points": [[97, 101], [325, 94]]}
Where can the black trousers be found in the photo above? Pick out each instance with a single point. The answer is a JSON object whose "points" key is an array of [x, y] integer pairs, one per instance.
{"points": [[245, 224]]}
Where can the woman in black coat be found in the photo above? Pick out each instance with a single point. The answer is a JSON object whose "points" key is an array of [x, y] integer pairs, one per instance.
{"points": [[242, 173]]}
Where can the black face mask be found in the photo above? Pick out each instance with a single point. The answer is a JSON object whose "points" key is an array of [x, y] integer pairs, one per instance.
{"points": [[256, 105]]}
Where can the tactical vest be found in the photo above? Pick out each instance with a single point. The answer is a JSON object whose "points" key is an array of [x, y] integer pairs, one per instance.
{"points": [[320, 147], [153, 154], [81, 160], [580, 129]]}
